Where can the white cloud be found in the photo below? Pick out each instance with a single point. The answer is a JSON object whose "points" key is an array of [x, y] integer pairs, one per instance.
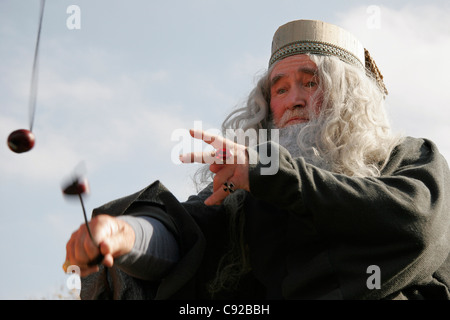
{"points": [[248, 65], [57, 92], [84, 118], [411, 49]]}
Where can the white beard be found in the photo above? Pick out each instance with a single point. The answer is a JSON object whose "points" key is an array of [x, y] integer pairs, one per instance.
{"points": [[288, 137]]}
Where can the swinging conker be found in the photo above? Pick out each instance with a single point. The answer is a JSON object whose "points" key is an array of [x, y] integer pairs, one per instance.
{"points": [[21, 140]]}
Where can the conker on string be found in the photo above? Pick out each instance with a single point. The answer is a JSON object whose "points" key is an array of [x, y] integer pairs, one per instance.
{"points": [[76, 187], [21, 140], [79, 186]]}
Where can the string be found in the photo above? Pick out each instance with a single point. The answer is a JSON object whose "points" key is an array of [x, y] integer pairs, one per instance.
{"points": [[97, 260], [34, 74]]}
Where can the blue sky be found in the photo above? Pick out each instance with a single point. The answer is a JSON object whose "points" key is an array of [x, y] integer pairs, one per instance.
{"points": [[112, 93]]}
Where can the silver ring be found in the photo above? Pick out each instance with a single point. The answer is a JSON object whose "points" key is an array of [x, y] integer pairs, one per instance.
{"points": [[229, 186]]}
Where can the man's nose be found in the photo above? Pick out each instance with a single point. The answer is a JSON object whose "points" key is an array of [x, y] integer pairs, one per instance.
{"points": [[297, 99]]}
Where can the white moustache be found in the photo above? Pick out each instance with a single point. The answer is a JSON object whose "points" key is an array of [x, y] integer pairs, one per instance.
{"points": [[290, 114]]}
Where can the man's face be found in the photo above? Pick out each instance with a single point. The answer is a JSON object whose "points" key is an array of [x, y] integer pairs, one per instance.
{"points": [[294, 82]]}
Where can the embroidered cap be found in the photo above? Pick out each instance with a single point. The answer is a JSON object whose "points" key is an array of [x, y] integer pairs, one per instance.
{"points": [[317, 37]]}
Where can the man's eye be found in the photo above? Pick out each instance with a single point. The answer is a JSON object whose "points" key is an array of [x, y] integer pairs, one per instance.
{"points": [[281, 91], [311, 84]]}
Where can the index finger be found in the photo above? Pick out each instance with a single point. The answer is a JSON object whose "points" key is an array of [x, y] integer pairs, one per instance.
{"points": [[200, 157], [216, 141]]}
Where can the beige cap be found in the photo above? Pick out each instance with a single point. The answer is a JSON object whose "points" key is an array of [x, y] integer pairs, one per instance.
{"points": [[317, 37]]}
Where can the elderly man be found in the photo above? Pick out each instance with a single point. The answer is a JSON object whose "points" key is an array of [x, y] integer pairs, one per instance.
{"points": [[352, 210]]}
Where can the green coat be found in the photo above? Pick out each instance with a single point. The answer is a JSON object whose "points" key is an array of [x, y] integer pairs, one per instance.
{"points": [[310, 234]]}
